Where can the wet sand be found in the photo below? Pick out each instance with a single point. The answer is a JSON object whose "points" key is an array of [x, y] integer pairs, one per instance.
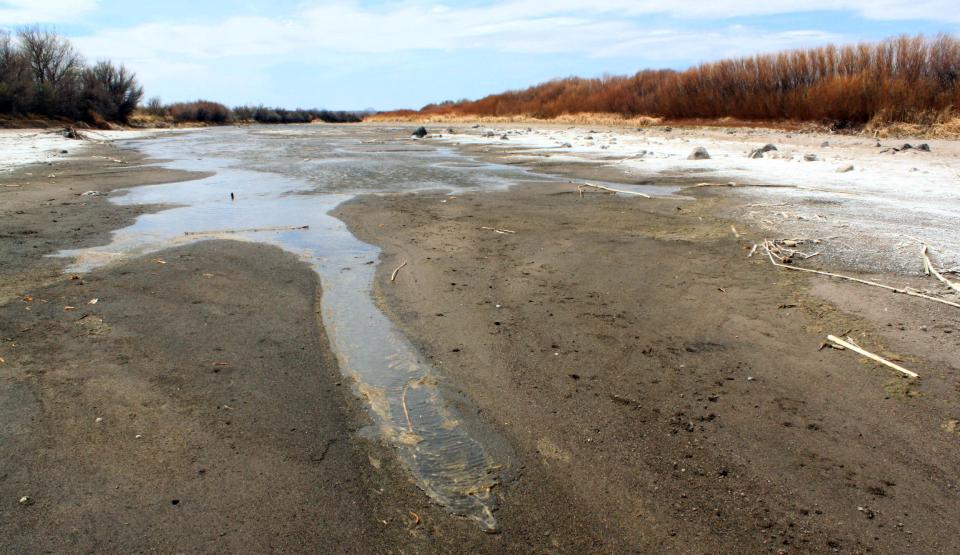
{"points": [[195, 407], [644, 384], [673, 388]]}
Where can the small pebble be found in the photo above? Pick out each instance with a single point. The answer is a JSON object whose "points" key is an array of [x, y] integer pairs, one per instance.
{"points": [[98, 420]]}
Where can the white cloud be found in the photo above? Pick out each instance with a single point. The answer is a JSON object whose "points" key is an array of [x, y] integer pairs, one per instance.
{"points": [[24, 12], [683, 31], [597, 28]]}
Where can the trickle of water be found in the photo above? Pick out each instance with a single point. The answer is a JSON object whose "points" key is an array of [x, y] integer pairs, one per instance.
{"points": [[318, 172], [276, 178]]}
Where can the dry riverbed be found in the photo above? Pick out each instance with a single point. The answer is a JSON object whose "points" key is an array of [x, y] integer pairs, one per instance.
{"points": [[645, 385]]}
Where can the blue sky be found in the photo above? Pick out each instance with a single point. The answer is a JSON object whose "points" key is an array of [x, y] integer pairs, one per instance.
{"points": [[353, 54]]}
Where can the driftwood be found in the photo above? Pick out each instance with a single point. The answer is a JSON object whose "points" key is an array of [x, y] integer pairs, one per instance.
{"points": [[500, 231], [766, 245], [929, 269], [857, 349], [251, 230], [406, 413], [393, 276], [612, 190]]}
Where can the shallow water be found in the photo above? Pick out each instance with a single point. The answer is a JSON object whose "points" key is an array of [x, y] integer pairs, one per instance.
{"points": [[293, 177]]}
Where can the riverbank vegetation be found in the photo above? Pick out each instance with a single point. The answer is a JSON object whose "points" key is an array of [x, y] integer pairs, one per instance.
{"points": [[906, 79], [43, 77], [41, 74]]}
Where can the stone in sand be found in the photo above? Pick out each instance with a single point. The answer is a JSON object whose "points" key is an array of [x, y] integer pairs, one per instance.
{"points": [[810, 157], [758, 153], [420, 133], [699, 153], [845, 169]]}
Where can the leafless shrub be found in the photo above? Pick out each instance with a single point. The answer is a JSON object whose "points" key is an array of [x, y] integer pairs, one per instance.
{"points": [[902, 79]]}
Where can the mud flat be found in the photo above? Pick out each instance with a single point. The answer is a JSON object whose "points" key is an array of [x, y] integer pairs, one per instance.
{"points": [[635, 381], [670, 386], [186, 400]]}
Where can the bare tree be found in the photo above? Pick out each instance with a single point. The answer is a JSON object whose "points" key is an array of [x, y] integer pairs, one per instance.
{"points": [[52, 58], [111, 91], [15, 83]]}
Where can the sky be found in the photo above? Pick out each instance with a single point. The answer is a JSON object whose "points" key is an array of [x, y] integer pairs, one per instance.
{"points": [[357, 54]]}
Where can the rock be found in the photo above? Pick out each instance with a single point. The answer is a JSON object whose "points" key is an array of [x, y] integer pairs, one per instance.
{"points": [[420, 133], [489, 134], [668, 129], [758, 153], [26, 500], [566, 145], [810, 157], [93, 194], [906, 146], [72, 133], [504, 138], [451, 131], [924, 147], [824, 144], [65, 152], [699, 153], [845, 169]]}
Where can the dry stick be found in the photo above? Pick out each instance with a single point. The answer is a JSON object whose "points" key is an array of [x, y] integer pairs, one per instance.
{"points": [[734, 230], [393, 276], [870, 355], [403, 401], [766, 245], [753, 250], [612, 190], [928, 266], [252, 230], [500, 231]]}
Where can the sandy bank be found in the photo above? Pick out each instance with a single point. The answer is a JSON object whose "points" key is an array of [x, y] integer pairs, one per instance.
{"points": [[666, 384]]}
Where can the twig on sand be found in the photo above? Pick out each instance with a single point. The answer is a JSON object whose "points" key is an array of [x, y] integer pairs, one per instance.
{"points": [[752, 250], [857, 349], [766, 245], [393, 276], [403, 401], [612, 190], [929, 269], [251, 230], [699, 185], [734, 230], [500, 231]]}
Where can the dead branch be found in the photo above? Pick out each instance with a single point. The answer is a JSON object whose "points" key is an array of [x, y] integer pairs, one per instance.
{"points": [[393, 276], [403, 401], [500, 231], [929, 269], [766, 245], [857, 349], [251, 230], [612, 190]]}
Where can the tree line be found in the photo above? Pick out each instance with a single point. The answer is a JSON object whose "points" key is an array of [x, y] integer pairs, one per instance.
{"points": [[42, 74], [904, 79]]}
